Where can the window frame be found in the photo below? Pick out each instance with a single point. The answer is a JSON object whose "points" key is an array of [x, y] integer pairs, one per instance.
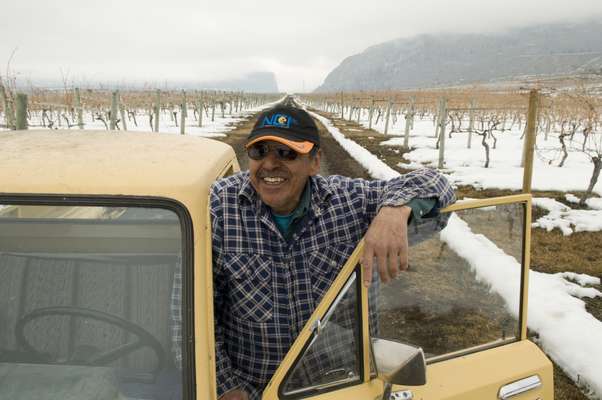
{"points": [[359, 350], [187, 234]]}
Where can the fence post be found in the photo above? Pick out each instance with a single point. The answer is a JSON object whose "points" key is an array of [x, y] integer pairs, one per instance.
{"points": [[443, 121], [114, 107], [371, 114], [413, 109], [200, 107], [530, 139], [21, 115], [157, 109], [122, 112], [183, 114], [388, 113], [9, 117], [406, 138], [78, 109], [470, 122]]}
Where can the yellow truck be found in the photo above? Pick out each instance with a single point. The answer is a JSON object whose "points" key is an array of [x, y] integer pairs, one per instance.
{"points": [[106, 287]]}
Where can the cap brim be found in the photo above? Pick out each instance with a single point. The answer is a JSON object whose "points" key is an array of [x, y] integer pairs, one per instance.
{"points": [[299, 147]]}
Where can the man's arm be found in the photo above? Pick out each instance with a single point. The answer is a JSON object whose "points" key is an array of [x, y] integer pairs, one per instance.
{"points": [[387, 236]]}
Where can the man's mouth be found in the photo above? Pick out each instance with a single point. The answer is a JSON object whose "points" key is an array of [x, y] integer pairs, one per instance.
{"points": [[272, 180]]}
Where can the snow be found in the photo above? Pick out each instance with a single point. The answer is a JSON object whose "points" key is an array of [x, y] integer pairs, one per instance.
{"points": [[465, 166], [567, 332], [216, 128], [566, 219]]}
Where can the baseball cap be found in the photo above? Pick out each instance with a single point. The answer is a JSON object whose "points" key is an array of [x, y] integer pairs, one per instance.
{"points": [[288, 125]]}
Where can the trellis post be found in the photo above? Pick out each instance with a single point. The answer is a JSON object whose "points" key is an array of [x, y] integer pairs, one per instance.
{"points": [[442, 122], [78, 109], [470, 122], [157, 109], [21, 114], [183, 114], [530, 138], [114, 107], [387, 115]]}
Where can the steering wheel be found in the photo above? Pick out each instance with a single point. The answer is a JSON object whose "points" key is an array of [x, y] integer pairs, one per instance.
{"points": [[143, 337]]}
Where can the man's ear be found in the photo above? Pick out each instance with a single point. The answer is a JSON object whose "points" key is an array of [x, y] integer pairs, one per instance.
{"points": [[315, 163]]}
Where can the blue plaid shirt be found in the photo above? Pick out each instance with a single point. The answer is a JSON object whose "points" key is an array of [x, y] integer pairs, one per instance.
{"points": [[265, 287]]}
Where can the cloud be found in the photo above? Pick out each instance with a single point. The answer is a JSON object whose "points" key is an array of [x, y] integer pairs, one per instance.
{"points": [[189, 39]]}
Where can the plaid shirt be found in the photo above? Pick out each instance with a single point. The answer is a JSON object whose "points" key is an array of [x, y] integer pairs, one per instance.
{"points": [[266, 288]]}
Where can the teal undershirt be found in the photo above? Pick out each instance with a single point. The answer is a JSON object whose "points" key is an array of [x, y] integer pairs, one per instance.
{"points": [[287, 223]]}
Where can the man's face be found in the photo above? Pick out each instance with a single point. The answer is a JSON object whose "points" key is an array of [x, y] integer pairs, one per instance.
{"points": [[280, 183]]}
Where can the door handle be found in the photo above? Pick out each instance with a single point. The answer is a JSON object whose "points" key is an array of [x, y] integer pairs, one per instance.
{"points": [[515, 388]]}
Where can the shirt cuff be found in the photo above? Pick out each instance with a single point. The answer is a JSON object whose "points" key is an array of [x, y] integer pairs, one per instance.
{"points": [[422, 208]]}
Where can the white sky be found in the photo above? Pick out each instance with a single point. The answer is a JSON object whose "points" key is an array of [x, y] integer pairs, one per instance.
{"points": [[186, 40]]}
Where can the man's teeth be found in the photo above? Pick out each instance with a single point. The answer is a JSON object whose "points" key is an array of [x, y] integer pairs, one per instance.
{"points": [[273, 180]]}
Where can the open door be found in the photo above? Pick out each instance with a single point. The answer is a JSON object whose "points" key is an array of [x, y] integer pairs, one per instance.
{"points": [[463, 303]]}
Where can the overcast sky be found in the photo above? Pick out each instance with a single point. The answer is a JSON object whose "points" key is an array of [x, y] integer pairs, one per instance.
{"points": [[198, 40]]}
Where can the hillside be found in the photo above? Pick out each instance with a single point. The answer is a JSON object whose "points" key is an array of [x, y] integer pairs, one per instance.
{"points": [[451, 59]]}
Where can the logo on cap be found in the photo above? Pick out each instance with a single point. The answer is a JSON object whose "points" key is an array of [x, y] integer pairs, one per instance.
{"points": [[277, 121]]}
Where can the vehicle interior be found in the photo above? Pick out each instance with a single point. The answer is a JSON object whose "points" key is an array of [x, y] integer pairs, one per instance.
{"points": [[90, 302]]}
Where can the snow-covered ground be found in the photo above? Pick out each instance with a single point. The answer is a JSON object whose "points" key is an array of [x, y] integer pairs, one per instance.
{"points": [[216, 128], [567, 332], [465, 167]]}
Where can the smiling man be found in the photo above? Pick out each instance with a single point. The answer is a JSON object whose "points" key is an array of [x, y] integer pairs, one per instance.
{"points": [[281, 233]]}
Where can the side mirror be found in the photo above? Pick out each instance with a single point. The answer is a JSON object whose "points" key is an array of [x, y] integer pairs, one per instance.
{"points": [[398, 363]]}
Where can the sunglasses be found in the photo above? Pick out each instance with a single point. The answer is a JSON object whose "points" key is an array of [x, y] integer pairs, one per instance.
{"points": [[259, 151]]}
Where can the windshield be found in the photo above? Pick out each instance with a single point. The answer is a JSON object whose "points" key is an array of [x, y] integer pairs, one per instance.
{"points": [[90, 303]]}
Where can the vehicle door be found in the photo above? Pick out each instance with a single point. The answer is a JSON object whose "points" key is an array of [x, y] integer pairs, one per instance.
{"points": [[463, 301]]}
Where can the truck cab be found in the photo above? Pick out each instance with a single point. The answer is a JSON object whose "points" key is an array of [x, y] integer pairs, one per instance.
{"points": [[106, 287]]}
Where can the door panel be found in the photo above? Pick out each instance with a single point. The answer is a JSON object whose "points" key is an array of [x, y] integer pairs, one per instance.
{"points": [[479, 376]]}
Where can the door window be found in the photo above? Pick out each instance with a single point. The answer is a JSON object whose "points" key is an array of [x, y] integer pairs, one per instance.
{"points": [[463, 287], [90, 302], [332, 357]]}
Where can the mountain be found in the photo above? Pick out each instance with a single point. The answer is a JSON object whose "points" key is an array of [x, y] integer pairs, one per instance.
{"points": [[256, 82], [451, 59]]}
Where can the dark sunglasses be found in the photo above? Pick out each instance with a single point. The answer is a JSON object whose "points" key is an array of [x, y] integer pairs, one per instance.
{"points": [[259, 151]]}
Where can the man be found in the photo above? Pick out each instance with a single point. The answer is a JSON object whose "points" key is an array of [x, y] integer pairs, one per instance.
{"points": [[281, 233]]}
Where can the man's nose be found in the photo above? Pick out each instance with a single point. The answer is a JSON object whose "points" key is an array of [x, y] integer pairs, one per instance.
{"points": [[271, 160]]}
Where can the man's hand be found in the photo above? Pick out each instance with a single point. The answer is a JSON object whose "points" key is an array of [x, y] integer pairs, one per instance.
{"points": [[236, 394], [387, 240]]}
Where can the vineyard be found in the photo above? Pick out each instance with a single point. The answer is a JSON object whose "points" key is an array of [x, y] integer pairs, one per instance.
{"points": [[489, 142]]}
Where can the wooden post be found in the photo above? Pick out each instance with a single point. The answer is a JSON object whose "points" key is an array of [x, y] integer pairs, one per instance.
{"points": [[213, 111], [21, 115], [471, 122], [438, 118], [200, 106], [114, 107], [406, 138], [183, 114], [124, 125], [157, 109], [9, 117], [359, 113], [443, 121], [78, 109], [342, 106], [387, 115], [371, 114], [413, 109], [530, 137]]}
